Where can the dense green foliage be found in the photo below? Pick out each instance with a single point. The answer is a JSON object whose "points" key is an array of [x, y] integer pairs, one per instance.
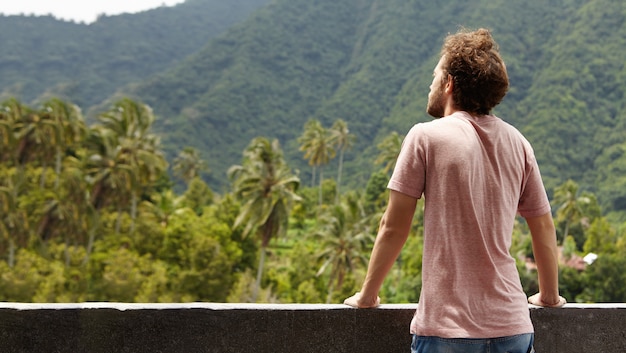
{"points": [[86, 64], [94, 212], [88, 213]]}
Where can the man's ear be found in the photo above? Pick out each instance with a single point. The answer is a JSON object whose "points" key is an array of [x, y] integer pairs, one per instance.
{"points": [[449, 84]]}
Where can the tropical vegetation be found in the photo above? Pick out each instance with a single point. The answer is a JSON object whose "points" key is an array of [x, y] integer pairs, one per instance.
{"points": [[91, 213], [220, 73], [239, 150]]}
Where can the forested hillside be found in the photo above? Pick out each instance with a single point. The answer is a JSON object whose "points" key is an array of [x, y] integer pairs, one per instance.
{"points": [[367, 62], [43, 57], [370, 62], [120, 206]]}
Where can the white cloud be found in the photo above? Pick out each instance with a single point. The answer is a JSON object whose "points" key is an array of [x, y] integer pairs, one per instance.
{"points": [[79, 10]]}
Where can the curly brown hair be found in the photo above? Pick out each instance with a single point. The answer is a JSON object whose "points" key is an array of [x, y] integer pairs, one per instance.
{"points": [[477, 69]]}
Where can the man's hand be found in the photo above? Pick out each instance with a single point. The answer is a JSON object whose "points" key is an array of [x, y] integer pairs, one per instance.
{"points": [[357, 301], [538, 300]]}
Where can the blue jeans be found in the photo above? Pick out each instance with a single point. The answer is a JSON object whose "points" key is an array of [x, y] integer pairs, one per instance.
{"points": [[510, 344]]}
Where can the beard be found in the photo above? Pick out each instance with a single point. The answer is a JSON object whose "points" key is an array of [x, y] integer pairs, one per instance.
{"points": [[436, 106]]}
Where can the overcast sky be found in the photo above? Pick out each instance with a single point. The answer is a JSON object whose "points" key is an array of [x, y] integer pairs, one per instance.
{"points": [[79, 10]]}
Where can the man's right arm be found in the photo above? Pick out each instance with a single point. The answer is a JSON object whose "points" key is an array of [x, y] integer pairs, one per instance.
{"points": [[392, 234], [546, 257]]}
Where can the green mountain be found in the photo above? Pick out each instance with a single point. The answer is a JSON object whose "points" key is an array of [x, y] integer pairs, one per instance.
{"points": [[370, 63], [42, 56]]}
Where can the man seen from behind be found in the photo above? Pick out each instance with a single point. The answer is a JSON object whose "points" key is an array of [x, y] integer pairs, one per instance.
{"points": [[476, 173]]}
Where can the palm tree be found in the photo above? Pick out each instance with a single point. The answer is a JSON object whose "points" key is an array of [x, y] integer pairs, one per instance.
{"points": [[14, 226], [317, 147], [570, 210], [67, 125], [127, 155], [188, 164], [33, 134], [39, 136], [147, 163], [307, 141], [62, 218], [162, 206], [345, 233], [342, 140], [67, 212], [74, 183], [106, 172], [266, 186], [10, 120], [389, 150]]}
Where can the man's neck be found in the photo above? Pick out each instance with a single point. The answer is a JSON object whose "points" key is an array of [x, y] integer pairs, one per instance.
{"points": [[450, 110]]}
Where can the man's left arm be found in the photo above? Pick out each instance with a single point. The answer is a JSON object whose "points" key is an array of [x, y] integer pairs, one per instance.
{"points": [[392, 234]]}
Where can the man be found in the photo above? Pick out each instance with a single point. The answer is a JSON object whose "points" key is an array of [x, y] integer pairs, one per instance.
{"points": [[476, 173]]}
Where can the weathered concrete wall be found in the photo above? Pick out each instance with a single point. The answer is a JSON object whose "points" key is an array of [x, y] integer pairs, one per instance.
{"points": [[205, 327]]}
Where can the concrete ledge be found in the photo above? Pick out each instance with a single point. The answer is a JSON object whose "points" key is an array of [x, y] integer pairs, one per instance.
{"points": [[210, 327]]}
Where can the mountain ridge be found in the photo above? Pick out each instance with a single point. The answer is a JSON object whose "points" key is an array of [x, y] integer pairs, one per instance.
{"points": [[87, 63]]}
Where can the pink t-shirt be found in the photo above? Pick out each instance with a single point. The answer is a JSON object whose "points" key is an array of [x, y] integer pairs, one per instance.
{"points": [[476, 174]]}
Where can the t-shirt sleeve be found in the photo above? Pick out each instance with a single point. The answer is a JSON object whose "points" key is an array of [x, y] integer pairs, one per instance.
{"points": [[409, 174], [533, 199]]}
